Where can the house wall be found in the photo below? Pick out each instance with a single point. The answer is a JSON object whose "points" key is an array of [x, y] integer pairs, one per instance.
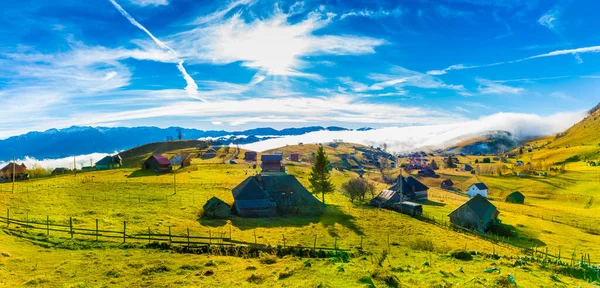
{"points": [[421, 195], [465, 217], [474, 191]]}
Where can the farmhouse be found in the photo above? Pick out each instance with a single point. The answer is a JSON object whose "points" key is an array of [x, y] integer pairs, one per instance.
{"points": [[478, 189], [426, 172], [266, 195], [59, 171], [468, 168], [294, 157], [250, 156], [109, 162], [447, 184], [157, 163], [20, 171], [410, 188], [216, 208], [476, 213], [272, 163], [210, 153], [405, 189], [408, 208], [515, 197]]}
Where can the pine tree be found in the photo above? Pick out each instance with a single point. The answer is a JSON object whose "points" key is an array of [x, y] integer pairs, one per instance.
{"points": [[320, 180]]}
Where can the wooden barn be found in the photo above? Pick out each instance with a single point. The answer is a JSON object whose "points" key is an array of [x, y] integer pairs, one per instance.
{"points": [[250, 156], [59, 171], [408, 208], [515, 197], [272, 163], [273, 194], [158, 163], [216, 208], [295, 157], [109, 162], [477, 189], [447, 184], [210, 153], [476, 213], [19, 171], [386, 198]]}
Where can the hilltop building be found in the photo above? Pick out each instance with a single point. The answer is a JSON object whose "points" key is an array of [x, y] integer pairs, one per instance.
{"points": [[250, 156], [515, 197], [272, 163], [447, 184], [109, 162], [19, 171]]}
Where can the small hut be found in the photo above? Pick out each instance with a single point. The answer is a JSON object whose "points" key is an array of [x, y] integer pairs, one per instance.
{"points": [[386, 199], [210, 153], [272, 163], [447, 184], [216, 208], [158, 163], [515, 197], [295, 157], [476, 213], [250, 156], [109, 162]]}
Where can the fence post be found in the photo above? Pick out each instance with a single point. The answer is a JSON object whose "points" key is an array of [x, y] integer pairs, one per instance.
{"points": [[148, 235], [7, 217], [96, 229], [209, 237], [170, 241], [47, 226], [315, 243], [71, 226], [188, 231], [124, 230], [335, 244]]}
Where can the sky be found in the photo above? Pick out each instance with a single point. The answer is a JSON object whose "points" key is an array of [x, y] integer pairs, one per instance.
{"points": [[234, 65]]}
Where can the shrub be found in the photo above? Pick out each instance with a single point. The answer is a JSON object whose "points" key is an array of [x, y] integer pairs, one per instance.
{"points": [[256, 279], [155, 269], [422, 245], [189, 267], [266, 258], [387, 277], [285, 274], [112, 274], [460, 254]]}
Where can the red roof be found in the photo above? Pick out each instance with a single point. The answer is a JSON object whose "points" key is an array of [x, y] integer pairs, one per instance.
{"points": [[161, 159]]}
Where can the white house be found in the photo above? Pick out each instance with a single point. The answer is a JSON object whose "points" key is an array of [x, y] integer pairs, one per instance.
{"points": [[477, 188]]}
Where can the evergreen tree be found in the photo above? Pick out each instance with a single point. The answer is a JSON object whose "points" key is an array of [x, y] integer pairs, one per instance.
{"points": [[319, 178]]}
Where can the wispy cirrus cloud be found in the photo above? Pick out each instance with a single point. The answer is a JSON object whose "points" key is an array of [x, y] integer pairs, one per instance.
{"points": [[550, 18], [271, 44], [396, 12], [492, 87], [149, 2], [574, 51], [192, 87]]}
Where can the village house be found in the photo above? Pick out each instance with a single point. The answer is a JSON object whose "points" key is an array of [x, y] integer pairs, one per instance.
{"points": [[59, 171], [468, 168], [405, 189], [477, 189], [210, 153], [157, 163], [19, 171], [295, 157], [515, 197], [477, 213], [447, 184], [250, 156], [272, 163], [109, 162], [268, 195]]}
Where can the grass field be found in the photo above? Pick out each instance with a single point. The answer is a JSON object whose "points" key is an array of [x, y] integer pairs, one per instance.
{"points": [[147, 201]]}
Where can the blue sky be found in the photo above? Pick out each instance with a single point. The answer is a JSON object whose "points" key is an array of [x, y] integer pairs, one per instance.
{"points": [[242, 64]]}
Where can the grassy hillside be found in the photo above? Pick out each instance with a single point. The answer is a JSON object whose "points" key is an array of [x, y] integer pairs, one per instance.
{"points": [[418, 250]]}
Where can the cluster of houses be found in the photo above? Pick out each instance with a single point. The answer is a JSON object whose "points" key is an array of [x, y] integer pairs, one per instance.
{"points": [[270, 193], [401, 195]]}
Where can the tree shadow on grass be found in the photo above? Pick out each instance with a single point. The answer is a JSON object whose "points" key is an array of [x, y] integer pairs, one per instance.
{"points": [[142, 173], [515, 235], [331, 215]]}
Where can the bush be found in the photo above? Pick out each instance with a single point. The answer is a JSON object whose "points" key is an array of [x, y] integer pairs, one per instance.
{"points": [[266, 258], [112, 274], [155, 269], [189, 267], [387, 277], [422, 245], [461, 254]]}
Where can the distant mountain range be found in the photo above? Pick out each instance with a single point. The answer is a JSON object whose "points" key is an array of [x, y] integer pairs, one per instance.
{"points": [[77, 140]]}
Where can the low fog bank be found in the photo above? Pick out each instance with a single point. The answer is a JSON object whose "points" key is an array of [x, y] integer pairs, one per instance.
{"points": [[67, 162], [404, 139]]}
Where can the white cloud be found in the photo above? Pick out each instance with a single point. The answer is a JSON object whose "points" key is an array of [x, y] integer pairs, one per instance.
{"points": [[372, 13], [150, 2], [67, 162], [461, 109], [492, 87], [270, 44], [192, 87], [401, 139], [550, 18]]}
